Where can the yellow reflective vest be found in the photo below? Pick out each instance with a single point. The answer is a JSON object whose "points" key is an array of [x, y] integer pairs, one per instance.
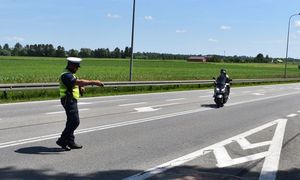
{"points": [[63, 88]]}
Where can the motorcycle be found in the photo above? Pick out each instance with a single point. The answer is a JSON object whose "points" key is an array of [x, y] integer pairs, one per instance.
{"points": [[221, 91]]}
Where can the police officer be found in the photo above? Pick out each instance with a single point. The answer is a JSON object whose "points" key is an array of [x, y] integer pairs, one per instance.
{"points": [[70, 88]]}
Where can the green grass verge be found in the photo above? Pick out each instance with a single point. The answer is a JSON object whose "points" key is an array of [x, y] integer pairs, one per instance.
{"points": [[37, 70], [43, 70]]}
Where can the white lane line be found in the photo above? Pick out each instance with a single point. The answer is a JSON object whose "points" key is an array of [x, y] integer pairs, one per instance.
{"points": [[178, 99], [206, 96], [56, 112], [261, 99], [258, 94], [59, 112], [84, 103], [114, 100], [132, 104], [162, 105], [247, 92], [291, 115], [146, 109]]}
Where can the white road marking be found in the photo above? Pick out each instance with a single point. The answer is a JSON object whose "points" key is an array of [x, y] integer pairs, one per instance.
{"points": [[132, 104], [258, 94], [152, 108], [59, 112], [84, 103], [291, 115], [162, 105], [113, 100], [146, 109], [261, 99], [56, 112], [271, 163], [178, 99], [206, 96], [246, 92], [224, 160], [269, 169], [245, 144]]}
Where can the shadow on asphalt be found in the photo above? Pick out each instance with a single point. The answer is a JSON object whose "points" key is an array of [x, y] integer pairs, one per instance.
{"points": [[179, 173], [39, 150], [210, 106]]}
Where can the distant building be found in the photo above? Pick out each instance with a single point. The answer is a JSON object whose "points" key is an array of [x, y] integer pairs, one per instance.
{"points": [[197, 59], [277, 61]]}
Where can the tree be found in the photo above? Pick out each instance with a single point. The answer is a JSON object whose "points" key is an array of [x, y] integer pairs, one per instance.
{"points": [[17, 49], [60, 52], [4, 52], [6, 47], [73, 53], [116, 53], [127, 52], [85, 52], [49, 50], [259, 58]]}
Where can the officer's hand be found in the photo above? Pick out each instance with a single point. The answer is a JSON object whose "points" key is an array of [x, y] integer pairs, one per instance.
{"points": [[82, 90], [98, 83]]}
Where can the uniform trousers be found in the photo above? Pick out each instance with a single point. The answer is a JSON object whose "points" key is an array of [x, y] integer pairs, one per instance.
{"points": [[71, 109]]}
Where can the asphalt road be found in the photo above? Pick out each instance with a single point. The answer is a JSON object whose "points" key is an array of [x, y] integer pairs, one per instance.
{"points": [[173, 135]]}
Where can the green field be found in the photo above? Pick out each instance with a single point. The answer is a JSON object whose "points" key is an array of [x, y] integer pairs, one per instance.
{"points": [[40, 69]]}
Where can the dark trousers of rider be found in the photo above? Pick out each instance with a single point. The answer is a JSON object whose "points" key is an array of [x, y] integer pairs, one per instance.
{"points": [[71, 109]]}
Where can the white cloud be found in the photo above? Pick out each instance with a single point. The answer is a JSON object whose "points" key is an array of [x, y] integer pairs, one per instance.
{"points": [[113, 16], [225, 27], [148, 18], [180, 31], [14, 38], [212, 40], [297, 23]]}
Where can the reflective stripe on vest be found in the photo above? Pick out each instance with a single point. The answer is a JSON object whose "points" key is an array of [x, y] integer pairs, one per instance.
{"points": [[63, 87]]}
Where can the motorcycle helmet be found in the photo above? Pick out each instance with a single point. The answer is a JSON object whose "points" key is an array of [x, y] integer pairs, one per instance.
{"points": [[222, 71]]}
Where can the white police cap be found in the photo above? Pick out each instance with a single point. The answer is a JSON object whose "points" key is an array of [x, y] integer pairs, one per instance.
{"points": [[74, 60]]}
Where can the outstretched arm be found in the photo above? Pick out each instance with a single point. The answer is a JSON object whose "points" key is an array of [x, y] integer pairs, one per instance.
{"points": [[83, 82]]}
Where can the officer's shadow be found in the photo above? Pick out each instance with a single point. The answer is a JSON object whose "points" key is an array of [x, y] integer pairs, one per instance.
{"points": [[39, 150]]}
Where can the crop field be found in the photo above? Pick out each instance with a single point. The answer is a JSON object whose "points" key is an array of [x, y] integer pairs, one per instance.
{"points": [[40, 69]]}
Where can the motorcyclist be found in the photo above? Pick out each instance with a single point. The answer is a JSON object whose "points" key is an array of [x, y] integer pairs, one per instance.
{"points": [[224, 78]]}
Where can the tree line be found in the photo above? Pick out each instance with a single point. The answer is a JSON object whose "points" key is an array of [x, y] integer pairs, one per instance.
{"points": [[48, 50]]}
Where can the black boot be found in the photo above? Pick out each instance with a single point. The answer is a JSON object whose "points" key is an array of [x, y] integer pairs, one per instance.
{"points": [[75, 146], [63, 145]]}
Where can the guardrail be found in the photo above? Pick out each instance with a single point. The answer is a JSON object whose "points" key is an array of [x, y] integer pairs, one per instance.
{"points": [[28, 86]]}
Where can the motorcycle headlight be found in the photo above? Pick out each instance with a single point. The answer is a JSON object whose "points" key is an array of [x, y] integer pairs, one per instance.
{"points": [[217, 89], [223, 90]]}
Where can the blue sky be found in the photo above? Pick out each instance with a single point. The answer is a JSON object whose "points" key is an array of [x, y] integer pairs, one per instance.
{"points": [[230, 27]]}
